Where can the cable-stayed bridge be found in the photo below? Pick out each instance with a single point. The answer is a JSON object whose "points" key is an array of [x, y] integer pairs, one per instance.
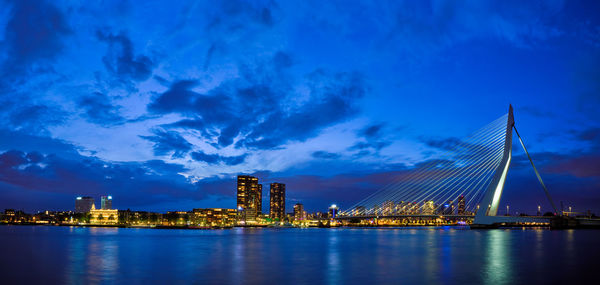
{"points": [[465, 182]]}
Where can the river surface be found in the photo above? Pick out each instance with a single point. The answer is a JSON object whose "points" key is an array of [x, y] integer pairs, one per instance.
{"points": [[446, 255]]}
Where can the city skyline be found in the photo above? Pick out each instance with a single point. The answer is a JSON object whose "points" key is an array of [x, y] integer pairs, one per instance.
{"points": [[332, 102]]}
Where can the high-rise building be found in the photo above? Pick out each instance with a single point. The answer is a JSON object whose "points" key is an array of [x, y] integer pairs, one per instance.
{"points": [[360, 211], [428, 208], [83, 204], [299, 214], [259, 200], [387, 208], [448, 208], [249, 196], [277, 201], [106, 202], [461, 205], [333, 211]]}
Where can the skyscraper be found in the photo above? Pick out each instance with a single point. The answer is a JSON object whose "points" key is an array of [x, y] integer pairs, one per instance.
{"points": [[106, 202], [259, 200], [249, 196], [83, 204], [461, 205], [277, 201], [333, 210], [299, 212]]}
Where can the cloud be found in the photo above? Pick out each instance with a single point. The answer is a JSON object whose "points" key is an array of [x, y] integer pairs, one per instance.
{"points": [[35, 118], [35, 31], [98, 109], [325, 155], [449, 143], [216, 159], [169, 142], [371, 139], [120, 59], [260, 109], [132, 184], [33, 36]]}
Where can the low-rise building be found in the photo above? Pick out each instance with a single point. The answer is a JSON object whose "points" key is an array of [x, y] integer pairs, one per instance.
{"points": [[214, 217], [104, 216]]}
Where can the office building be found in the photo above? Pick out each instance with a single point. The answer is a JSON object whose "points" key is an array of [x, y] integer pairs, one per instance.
{"points": [[83, 204], [106, 202], [277, 201]]}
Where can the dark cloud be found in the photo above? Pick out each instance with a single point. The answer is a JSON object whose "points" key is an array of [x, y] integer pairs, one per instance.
{"points": [[590, 135], [216, 159], [372, 138], [449, 143], [372, 131], [35, 31], [169, 142], [260, 110], [36, 118], [236, 15], [120, 59], [24, 141], [325, 155], [99, 109], [135, 184]]}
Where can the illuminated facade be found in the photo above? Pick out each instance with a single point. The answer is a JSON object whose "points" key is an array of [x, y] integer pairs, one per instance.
{"points": [[428, 208], [214, 217], [277, 201], [249, 196], [461, 205], [83, 204], [104, 216], [299, 214], [333, 211]]}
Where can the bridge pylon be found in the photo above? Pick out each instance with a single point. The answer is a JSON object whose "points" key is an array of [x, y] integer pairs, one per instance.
{"points": [[486, 215]]}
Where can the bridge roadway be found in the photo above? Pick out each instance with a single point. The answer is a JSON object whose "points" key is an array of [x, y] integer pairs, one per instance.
{"points": [[367, 217]]}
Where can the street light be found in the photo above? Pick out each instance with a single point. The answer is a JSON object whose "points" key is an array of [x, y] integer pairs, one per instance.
{"points": [[507, 210]]}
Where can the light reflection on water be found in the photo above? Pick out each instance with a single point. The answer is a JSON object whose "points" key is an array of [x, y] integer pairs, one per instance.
{"points": [[62, 255], [497, 262]]}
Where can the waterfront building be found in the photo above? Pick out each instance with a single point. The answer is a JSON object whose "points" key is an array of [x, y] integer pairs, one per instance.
{"points": [[387, 208], [461, 205], [83, 204], [448, 208], [214, 217], [176, 218], [360, 211], [299, 214], [333, 211], [104, 216], [105, 202], [428, 208], [249, 196], [277, 201], [259, 200], [377, 210]]}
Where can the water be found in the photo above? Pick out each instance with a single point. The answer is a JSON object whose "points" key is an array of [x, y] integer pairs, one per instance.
{"points": [[65, 255]]}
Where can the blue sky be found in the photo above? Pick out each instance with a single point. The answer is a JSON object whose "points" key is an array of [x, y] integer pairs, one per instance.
{"points": [[162, 104]]}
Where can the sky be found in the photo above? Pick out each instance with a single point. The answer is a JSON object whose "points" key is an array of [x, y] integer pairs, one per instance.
{"points": [[161, 104]]}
